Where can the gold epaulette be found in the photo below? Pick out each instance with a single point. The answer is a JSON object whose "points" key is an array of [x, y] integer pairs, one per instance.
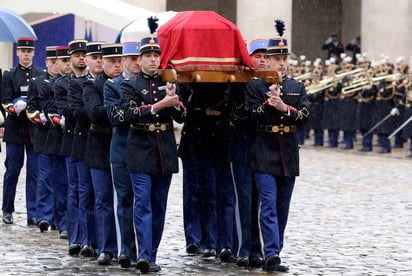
{"points": [[110, 80]]}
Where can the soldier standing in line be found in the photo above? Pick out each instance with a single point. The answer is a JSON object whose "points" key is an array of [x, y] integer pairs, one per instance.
{"points": [[35, 113], [249, 253], [77, 52], [316, 101], [330, 111], [385, 106], [150, 106], [86, 219], [275, 152], [364, 117], [18, 129], [347, 115], [54, 137], [121, 180], [97, 152]]}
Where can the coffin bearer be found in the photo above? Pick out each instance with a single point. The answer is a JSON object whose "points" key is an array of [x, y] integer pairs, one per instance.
{"points": [[275, 153], [14, 88], [249, 253], [150, 106]]}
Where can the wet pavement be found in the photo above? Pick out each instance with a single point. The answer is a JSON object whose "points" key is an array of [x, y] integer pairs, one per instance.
{"points": [[351, 214]]}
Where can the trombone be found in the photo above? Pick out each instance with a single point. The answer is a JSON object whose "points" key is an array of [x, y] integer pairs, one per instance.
{"points": [[366, 83]]}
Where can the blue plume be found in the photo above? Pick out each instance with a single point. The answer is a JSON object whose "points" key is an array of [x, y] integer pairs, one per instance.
{"points": [[280, 27], [152, 21]]}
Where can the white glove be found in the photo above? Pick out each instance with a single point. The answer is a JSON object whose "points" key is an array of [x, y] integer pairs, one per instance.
{"points": [[19, 106], [395, 112], [62, 121], [43, 118]]}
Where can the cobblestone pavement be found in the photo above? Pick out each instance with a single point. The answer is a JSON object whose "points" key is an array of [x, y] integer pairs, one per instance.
{"points": [[351, 214]]}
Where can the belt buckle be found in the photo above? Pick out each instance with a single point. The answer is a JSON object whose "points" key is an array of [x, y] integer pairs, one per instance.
{"points": [[275, 129], [152, 127], [286, 129], [163, 127]]}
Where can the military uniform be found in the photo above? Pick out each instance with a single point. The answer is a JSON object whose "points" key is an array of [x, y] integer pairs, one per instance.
{"points": [[85, 192], [275, 152], [364, 117], [330, 114], [316, 101], [385, 102], [124, 192], [45, 194], [347, 117], [97, 159], [18, 136], [151, 155]]}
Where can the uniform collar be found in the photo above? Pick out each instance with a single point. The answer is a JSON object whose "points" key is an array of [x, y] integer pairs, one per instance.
{"points": [[149, 77], [24, 68]]}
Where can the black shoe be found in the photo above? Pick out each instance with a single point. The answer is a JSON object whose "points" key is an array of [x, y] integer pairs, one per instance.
{"points": [[74, 249], [87, 251], [192, 249], [43, 225], [64, 235], [154, 267], [271, 263], [53, 227], [398, 146], [331, 146], [318, 145], [346, 147], [255, 262], [124, 261], [384, 151], [105, 258], [365, 149], [209, 252], [409, 155], [8, 218], [32, 221], [242, 261], [226, 255], [143, 265], [282, 267]]}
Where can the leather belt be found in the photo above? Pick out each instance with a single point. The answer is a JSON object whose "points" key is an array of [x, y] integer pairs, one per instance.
{"points": [[101, 129], [276, 129], [151, 127]]}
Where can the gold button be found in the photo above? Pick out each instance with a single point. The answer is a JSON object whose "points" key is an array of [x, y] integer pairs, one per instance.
{"points": [[162, 127], [152, 127], [275, 128], [286, 129], [157, 115], [154, 92], [155, 99], [157, 131]]}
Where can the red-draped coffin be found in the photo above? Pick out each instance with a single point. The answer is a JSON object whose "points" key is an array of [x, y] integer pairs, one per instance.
{"points": [[202, 40]]}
